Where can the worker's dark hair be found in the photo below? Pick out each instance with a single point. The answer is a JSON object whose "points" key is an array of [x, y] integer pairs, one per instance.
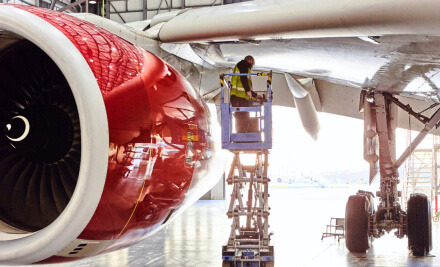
{"points": [[249, 58]]}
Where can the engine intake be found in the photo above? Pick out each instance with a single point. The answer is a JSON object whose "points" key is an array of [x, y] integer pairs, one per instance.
{"points": [[51, 109], [41, 148]]}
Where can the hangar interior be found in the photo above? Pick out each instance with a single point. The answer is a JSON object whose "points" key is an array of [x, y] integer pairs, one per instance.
{"points": [[298, 213]]}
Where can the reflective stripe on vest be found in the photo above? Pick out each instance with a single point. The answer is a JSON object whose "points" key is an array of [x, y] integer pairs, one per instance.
{"points": [[237, 88]]}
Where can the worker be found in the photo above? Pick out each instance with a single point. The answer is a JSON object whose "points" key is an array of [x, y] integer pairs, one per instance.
{"points": [[241, 93]]}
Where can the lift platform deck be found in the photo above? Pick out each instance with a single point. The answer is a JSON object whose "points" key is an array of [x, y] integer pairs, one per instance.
{"points": [[249, 241]]}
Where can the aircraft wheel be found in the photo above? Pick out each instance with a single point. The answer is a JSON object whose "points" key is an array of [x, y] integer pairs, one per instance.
{"points": [[436, 218], [419, 225], [269, 264], [357, 224], [227, 264]]}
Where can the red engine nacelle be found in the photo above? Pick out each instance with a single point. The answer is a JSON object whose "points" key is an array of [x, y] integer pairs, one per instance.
{"points": [[103, 142]]}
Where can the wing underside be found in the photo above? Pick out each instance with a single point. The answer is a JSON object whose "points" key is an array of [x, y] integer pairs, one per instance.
{"points": [[387, 46]]}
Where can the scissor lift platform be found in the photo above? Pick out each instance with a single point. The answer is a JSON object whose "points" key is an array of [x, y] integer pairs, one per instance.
{"points": [[249, 241]]}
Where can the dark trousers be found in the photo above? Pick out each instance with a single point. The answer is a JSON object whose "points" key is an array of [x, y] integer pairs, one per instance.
{"points": [[241, 118]]}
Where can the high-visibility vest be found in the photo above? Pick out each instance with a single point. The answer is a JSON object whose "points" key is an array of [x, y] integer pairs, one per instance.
{"points": [[237, 88]]}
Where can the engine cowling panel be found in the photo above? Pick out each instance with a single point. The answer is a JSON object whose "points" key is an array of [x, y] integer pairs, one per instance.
{"points": [[161, 153]]}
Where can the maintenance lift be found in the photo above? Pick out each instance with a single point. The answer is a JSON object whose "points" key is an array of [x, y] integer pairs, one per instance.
{"points": [[249, 241]]}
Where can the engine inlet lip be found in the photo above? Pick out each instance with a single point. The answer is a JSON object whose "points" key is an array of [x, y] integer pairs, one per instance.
{"points": [[94, 139]]}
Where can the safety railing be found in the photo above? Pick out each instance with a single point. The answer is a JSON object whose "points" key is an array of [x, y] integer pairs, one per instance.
{"points": [[261, 135]]}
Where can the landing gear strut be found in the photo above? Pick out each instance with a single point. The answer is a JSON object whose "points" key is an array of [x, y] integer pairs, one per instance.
{"points": [[362, 222]]}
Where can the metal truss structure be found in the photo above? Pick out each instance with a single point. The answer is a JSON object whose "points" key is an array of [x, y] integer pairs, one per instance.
{"points": [[106, 8]]}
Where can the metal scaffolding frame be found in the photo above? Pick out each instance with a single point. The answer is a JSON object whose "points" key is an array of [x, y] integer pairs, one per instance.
{"points": [[435, 175], [249, 240], [421, 171]]}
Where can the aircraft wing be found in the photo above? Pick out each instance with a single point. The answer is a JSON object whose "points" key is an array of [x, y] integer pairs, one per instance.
{"points": [[345, 46], [276, 19]]}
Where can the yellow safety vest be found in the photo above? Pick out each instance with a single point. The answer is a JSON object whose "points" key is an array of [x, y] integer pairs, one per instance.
{"points": [[237, 88]]}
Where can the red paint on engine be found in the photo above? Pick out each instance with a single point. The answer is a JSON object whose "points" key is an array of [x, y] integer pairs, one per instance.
{"points": [[159, 129], [112, 59]]}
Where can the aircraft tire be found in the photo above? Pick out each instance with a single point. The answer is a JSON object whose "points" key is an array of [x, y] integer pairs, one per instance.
{"points": [[357, 224], [227, 264], [419, 225]]}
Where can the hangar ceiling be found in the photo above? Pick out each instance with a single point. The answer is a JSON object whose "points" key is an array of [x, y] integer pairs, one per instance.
{"points": [[122, 11]]}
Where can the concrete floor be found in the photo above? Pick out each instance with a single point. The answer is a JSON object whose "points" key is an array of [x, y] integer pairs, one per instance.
{"points": [[298, 219]]}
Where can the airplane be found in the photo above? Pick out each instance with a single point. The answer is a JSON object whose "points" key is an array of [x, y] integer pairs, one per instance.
{"points": [[107, 136]]}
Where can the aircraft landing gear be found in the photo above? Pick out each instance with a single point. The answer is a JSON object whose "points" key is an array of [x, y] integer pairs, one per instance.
{"points": [[419, 225], [358, 215], [362, 222]]}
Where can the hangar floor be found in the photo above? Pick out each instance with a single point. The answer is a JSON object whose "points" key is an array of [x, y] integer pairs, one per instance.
{"points": [[298, 218]]}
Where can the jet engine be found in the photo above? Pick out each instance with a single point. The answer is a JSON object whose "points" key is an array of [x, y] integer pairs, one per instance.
{"points": [[101, 143]]}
